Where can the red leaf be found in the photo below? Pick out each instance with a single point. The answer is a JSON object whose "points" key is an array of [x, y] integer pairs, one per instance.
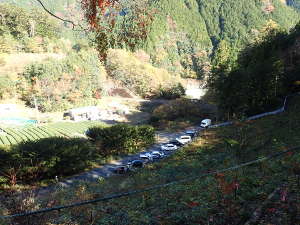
{"points": [[271, 210], [193, 204]]}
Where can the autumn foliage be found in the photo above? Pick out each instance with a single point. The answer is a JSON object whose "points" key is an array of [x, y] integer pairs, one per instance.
{"points": [[117, 25], [93, 8]]}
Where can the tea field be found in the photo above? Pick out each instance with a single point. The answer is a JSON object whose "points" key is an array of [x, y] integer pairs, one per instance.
{"points": [[14, 135]]}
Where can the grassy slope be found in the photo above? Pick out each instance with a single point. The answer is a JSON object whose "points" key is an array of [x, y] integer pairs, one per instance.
{"points": [[209, 200]]}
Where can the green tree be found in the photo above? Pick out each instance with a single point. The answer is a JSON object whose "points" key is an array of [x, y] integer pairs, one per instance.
{"points": [[262, 74]]}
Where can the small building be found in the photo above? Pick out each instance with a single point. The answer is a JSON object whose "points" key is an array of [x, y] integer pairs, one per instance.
{"points": [[83, 113]]}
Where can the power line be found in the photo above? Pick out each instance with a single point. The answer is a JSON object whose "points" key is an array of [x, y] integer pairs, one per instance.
{"points": [[114, 196], [57, 17], [124, 194]]}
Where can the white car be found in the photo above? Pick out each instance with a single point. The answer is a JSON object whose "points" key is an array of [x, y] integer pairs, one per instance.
{"points": [[157, 154], [205, 123], [184, 139], [146, 155], [168, 147]]}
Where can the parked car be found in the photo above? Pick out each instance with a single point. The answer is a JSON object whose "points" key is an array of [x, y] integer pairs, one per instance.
{"points": [[136, 164], [184, 139], [191, 133], [175, 142], [157, 154], [121, 169], [168, 147], [146, 155], [205, 123]]}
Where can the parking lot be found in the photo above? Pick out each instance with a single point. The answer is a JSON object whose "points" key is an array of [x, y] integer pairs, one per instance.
{"points": [[112, 168]]}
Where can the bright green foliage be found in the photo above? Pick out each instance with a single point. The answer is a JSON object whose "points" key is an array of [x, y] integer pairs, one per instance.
{"points": [[59, 84], [52, 5], [33, 132], [122, 138], [265, 72]]}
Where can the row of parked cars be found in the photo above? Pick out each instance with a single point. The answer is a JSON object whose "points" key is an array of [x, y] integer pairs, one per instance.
{"points": [[163, 149]]}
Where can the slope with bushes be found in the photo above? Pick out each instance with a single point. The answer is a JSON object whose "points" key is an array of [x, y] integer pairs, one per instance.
{"points": [[224, 198], [262, 75], [184, 34]]}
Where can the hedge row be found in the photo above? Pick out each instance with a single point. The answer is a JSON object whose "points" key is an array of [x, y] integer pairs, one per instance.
{"points": [[39, 160], [121, 138]]}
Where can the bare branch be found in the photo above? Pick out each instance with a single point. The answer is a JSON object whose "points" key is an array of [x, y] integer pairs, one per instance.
{"points": [[64, 20]]}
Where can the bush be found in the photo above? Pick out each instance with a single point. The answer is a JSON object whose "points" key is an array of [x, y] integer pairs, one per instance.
{"points": [[121, 138], [8, 44], [140, 77], [7, 87], [33, 45], [173, 92], [45, 158], [180, 110], [59, 84]]}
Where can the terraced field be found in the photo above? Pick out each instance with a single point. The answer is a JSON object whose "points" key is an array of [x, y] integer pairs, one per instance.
{"points": [[14, 135]]}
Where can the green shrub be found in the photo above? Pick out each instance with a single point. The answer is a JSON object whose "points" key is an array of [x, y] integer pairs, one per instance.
{"points": [[45, 158], [59, 84], [173, 92], [122, 138], [181, 110]]}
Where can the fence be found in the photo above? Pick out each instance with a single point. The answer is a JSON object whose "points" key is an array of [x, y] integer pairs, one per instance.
{"points": [[277, 111]]}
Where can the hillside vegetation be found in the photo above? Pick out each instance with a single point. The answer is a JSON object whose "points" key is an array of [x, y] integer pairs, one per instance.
{"points": [[184, 34], [262, 74], [225, 198]]}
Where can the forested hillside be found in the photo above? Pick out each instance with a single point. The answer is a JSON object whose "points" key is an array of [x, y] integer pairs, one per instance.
{"points": [[261, 76], [56, 6], [179, 39], [185, 33]]}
